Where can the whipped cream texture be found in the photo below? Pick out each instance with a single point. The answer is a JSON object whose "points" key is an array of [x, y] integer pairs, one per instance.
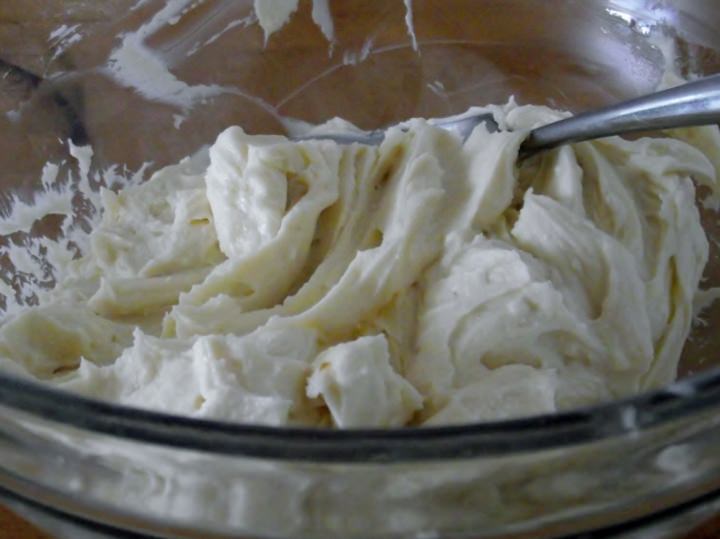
{"points": [[429, 280]]}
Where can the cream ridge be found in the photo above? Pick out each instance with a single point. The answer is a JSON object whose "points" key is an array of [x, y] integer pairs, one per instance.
{"points": [[426, 281]]}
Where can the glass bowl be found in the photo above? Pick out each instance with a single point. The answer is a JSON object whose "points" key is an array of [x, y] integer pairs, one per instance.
{"points": [[647, 466]]}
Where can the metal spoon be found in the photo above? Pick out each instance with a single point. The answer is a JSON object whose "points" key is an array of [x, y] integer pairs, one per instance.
{"points": [[693, 103]]}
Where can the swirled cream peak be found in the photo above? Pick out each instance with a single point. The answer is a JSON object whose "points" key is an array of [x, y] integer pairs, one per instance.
{"points": [[428, 280], [272, 15]]}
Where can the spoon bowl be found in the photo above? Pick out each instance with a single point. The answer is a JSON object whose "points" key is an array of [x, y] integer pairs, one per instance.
{"points": [[690, 104]]}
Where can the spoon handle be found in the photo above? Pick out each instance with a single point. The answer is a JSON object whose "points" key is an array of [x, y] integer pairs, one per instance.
{"points": [[694, 103]]}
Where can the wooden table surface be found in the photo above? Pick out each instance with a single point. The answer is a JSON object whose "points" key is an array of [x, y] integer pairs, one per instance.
{"points": [[13, 527]]}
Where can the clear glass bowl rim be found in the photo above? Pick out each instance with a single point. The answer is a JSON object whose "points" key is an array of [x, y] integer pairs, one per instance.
{"points": [[683, 400]]}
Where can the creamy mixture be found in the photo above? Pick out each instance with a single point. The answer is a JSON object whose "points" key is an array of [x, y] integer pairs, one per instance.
{"points": [[424, 281]]}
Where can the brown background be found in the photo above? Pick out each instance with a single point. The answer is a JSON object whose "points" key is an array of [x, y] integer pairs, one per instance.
{"points": [[12, 527]]}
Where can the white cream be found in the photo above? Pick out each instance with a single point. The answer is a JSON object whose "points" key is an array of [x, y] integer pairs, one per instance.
{"points": [[409, 23], [427, 280], [349, 376], [323, 18], [257, 378], [135, 65], [274, 14]]}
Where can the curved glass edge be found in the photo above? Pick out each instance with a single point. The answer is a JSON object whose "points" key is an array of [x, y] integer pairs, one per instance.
{"points": [[680, 400], [100, 520]]}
